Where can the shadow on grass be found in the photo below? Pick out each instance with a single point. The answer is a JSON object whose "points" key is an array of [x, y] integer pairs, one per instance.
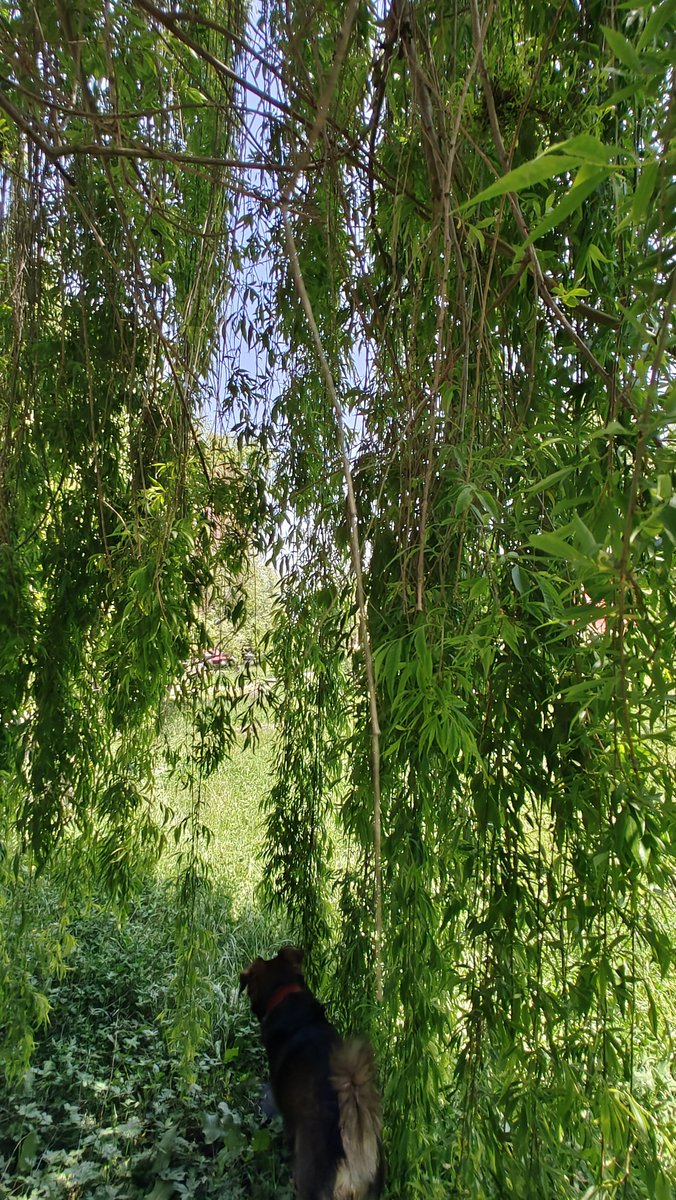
{"points": [[104, 1110]]}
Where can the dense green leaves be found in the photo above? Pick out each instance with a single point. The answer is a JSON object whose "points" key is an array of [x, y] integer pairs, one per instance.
{"points": [[479, 206], [513, 477], [120, 520], [104, 1108]]}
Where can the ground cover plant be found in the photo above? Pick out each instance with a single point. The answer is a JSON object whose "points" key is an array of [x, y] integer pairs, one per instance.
{"points": [[104, 1109]]}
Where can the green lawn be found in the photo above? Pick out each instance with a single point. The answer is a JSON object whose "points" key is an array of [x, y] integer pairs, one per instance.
{"points": [[230, 807]]}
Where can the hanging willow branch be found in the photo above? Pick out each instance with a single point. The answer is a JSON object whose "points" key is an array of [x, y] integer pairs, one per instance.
{"points": [[355, 554], [353, 517], [514, 605]]}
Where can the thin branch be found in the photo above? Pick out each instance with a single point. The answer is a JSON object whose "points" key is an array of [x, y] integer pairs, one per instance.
{"points": [[353, 516], [355, 553], [324, 102], [110, 117], [241, 43], [57, 151], [169, 21], [451, 244], [31, 133]]}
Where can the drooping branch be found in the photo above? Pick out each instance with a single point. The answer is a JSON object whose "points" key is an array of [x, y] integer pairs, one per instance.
{"points": [[541, 284], [303, 160]]}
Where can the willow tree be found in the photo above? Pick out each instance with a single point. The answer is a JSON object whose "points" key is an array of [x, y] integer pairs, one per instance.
{"points": [[475, 281], [450, 229], [117, 517]]}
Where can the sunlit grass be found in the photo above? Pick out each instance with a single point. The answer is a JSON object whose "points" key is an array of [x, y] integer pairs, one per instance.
{"points": [[230, 806]]}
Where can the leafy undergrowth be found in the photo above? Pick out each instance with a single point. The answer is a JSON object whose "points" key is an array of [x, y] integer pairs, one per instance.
{"points": [[103, 1111]]}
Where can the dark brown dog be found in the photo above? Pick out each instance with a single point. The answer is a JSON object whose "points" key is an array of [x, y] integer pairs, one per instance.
{"points": [[323, 1086]]}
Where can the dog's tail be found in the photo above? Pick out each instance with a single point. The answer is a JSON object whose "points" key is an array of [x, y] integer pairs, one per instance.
{"points": [[352, 1077]]}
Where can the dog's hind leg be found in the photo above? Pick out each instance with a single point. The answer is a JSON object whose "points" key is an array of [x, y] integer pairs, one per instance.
{"points": [[314, 1175]]}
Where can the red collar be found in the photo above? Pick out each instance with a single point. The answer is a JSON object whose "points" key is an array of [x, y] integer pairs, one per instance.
{"points": [[276, 998]]}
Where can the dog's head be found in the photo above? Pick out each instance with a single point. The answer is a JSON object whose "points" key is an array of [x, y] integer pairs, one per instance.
{"points": [[266, 979]]}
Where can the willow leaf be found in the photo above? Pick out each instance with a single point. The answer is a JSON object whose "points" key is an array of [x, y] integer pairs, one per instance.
{"points": [[556, 160], [550, 543], [539, 169], [587, 180], [622, 48]]}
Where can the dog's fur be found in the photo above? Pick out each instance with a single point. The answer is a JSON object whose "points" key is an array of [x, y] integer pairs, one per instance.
{"points": [[323, 1086]]}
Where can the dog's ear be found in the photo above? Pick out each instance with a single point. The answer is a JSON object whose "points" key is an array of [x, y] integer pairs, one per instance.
{"points": [[249, 974], [293, 955]]}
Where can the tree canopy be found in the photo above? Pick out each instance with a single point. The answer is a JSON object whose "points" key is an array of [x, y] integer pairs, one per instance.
{"points": [[419, 260]]}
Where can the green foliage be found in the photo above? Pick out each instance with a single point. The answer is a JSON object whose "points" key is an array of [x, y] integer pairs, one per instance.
{"points": [[121, 521], [106, 1107], [105, 1110], [307, 655], [501, 257], [481, 205]]}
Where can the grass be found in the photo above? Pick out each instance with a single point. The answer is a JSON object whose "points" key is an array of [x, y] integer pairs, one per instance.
{"points": [[104, 1111], [230, 801]]}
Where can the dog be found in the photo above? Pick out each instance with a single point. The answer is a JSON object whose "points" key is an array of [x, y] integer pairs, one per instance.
{"points": [[323, 1086]]}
